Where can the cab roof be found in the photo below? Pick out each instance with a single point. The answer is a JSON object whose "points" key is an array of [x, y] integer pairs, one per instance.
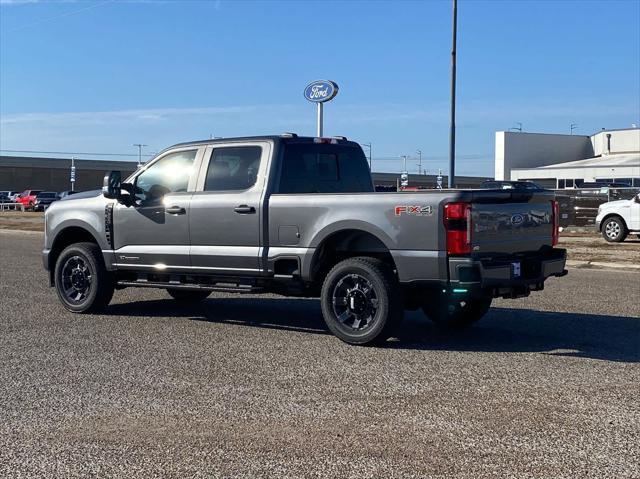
{"points": [[284, 138]]}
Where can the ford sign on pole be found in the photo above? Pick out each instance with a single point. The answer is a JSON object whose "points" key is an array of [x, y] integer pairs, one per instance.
{"points": [[318, 92]]}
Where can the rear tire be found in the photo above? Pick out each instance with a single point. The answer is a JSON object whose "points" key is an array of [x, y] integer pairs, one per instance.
{"points": [[81, 279], [451, 312], [361, 301], [188, 296], [614, 230]]}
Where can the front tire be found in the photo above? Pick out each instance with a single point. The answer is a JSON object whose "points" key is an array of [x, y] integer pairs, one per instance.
{"points": [[361, 301], [614, 230], [82, 281], [188, 296], [449, 311]]}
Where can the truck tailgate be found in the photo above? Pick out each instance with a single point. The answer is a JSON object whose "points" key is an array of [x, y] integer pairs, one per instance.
{"points": [[509, 222]]}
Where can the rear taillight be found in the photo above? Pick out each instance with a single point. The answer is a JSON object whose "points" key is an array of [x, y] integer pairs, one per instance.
{"points": [[457, 224], [555, 222]]}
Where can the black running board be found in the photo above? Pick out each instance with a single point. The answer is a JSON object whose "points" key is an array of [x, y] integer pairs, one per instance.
{"points": [[219, 287]]}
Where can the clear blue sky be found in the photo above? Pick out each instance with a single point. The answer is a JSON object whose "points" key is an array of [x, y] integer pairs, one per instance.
{"points": [[98, 76]]}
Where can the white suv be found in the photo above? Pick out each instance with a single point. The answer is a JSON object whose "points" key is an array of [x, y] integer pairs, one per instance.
{"points": [[617, 219]]}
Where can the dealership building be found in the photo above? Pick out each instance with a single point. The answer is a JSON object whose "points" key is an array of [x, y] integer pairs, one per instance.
{"points": [[569, 161]]}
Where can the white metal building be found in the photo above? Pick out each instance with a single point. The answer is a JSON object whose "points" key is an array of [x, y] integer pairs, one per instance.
{"points": [[568, 161]]}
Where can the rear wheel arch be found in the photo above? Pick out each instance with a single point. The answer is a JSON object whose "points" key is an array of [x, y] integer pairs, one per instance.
{"points": [[347, 243]]}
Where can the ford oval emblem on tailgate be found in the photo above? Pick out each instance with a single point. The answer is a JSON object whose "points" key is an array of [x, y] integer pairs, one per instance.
{"points": [[517, 219]]}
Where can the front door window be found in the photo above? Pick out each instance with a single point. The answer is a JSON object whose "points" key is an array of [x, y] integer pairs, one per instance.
{"points": [[170, 174]]}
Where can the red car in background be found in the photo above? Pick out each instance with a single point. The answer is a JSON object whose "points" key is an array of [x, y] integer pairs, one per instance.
{"points": [[28, 198]]}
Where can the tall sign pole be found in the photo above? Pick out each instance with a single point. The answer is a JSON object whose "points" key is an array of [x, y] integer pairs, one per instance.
{"points": [[73, 173], [319, 120], [452, 133], [319, 92]]}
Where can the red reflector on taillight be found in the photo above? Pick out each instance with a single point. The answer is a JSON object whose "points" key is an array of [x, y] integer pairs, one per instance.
{"points": [[457, 224], [555, 222]]}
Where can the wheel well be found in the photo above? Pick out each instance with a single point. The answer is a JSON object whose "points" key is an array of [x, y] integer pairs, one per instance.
{"points": [[346, 244], [66, 237], [611, 215]]}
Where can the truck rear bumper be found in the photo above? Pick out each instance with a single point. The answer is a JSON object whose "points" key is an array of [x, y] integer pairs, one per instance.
{"points": [[509, 277]]}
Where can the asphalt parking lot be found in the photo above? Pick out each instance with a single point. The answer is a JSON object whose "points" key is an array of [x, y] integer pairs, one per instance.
{"points": [[252, 386]]}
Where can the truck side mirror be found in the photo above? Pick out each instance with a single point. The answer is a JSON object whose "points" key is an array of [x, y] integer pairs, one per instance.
{"points": [[111, 185]]}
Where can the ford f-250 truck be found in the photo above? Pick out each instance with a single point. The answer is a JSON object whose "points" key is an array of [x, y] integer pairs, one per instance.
{"points": [[299, 216]]}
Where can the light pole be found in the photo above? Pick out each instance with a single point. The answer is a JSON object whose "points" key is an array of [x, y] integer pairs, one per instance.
{"points": [[519, 128], [452, 133], [573, 127], [139, 145], [368, 145], [419, 152]]}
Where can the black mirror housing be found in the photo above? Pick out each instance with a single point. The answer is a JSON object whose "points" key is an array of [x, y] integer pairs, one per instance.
{"points": [[112, 184]]}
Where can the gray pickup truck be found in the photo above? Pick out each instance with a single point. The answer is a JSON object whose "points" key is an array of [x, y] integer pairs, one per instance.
{"points": [[299, 217]]}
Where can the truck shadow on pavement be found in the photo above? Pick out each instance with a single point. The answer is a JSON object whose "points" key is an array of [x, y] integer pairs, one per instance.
{"points": [[593, 336]]}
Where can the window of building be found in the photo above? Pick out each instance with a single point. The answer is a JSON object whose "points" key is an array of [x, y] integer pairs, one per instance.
{"points": [[322, 168], [561, 184], [170, 174], [233, 168]]}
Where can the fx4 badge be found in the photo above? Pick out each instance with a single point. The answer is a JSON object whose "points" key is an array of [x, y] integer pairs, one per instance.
{"points": [[414, 210]]}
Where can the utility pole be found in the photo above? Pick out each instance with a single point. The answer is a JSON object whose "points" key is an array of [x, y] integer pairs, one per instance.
{"points": [[404, 162], [573, 127], [419, 152], [140, 146], [452, 134], [368, 145]]}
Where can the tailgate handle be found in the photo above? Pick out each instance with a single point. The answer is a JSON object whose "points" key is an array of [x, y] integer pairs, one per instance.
{"points": [[244, 209]]}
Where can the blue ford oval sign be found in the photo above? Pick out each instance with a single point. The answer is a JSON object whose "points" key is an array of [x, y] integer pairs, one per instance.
{"points": [[320, 91]]}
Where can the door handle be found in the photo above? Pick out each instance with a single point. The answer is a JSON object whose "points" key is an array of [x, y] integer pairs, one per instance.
{"points": [[175, 210], [244, 209]]}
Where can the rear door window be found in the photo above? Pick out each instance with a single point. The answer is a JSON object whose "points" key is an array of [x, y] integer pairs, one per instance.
{"points": [[233, 168]]}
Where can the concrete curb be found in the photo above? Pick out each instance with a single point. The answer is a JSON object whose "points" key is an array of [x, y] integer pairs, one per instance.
{"points": [[603, 265]]}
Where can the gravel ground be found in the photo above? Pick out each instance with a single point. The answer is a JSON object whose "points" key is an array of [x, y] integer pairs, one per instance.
{"points": [[256, 387]]}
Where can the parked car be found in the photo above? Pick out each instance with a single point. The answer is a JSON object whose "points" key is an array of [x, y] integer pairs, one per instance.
{"points": [[65, 194], [28, 198], [509, 185], [616, 219], [44, 200], [8, 196], [299, 217]]}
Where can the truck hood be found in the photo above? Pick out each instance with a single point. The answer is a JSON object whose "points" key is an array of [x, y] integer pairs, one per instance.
{"points": [[615, 204], [83, 194]]}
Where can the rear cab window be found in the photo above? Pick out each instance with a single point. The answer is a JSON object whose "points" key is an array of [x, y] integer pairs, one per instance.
{"points": [[324, 168]]}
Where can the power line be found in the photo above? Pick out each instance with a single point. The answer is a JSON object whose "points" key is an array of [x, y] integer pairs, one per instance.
{"points": [[72, 153]]}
